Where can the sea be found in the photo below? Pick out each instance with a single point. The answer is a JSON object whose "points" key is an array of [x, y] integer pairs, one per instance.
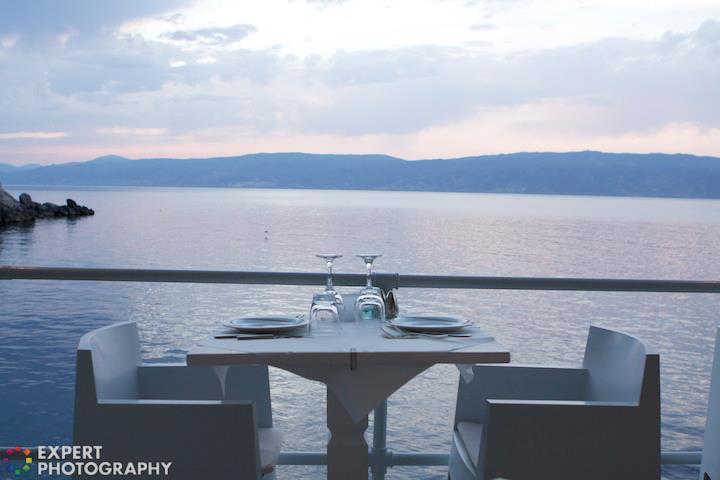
{"points": [[416, 232]]}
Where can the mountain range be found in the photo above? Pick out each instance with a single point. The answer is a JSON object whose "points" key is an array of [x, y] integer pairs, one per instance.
{"points": [[571, 173]]}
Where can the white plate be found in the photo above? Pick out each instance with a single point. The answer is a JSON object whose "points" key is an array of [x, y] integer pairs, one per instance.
{"points": [[428, 323], [268, 324]]}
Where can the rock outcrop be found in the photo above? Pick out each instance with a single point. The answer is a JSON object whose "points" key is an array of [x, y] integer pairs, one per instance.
{"points": [[26, 210]]}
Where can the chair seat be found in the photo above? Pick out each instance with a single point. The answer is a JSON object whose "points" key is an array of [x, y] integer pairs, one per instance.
{"points": [[471, 435], [270, 441]]}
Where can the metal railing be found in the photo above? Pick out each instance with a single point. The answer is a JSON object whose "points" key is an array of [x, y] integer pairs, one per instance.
{"points": [[380, 456], [385, 281]]}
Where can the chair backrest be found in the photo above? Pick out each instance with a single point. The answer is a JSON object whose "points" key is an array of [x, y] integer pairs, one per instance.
{"points": [[710, 468], [108, 359], [251, 382], [621, 368]]}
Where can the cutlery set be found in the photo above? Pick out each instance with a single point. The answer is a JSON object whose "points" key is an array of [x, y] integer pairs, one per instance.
{"points": [[255, 336], [390, 331]]}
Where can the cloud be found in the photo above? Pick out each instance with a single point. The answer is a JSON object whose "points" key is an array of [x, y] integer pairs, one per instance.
{"points": [[9, 40], [195, 86], [473, 3], [32, 135], [630, 85], [481, 27], [212, 35], [132, 131], [174, 18], [109, 68], [326, 3]]}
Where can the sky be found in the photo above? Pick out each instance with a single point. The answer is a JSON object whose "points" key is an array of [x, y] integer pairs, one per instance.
{"points": [[415, 79]]}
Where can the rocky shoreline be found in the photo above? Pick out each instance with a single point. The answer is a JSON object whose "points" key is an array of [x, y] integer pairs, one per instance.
{"points": [[26, 210]]}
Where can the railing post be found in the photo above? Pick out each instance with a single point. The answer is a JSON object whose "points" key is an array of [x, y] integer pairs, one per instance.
{"points": [[379, 453]]}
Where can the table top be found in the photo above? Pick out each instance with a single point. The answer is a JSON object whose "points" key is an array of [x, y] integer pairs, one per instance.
{"points": [[355, 345]]}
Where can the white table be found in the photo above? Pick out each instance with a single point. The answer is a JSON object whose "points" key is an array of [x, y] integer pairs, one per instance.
{"points": [[360, 368]]}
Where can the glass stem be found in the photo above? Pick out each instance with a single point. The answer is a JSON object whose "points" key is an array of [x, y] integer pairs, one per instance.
{"points": [[329, 286], [368, 267]]}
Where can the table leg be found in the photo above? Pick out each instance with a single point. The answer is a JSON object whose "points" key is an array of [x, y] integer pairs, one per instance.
{"points": [[347, 450]]}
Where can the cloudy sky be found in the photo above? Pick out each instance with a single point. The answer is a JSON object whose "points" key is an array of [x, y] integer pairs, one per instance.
{"points": [[417, 79]]}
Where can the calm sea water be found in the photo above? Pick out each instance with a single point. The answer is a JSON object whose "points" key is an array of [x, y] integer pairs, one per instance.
{"points": [[444, 233]]}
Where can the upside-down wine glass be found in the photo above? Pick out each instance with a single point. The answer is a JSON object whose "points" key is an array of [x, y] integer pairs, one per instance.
{"points": [[327, 306], [370, 304]]}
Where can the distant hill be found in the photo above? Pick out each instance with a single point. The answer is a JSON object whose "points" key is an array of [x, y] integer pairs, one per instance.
{"points": [[6, 167], [573, 173]]}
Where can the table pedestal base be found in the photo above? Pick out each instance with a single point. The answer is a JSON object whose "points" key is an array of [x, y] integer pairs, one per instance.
{"points": [[347, 450]]}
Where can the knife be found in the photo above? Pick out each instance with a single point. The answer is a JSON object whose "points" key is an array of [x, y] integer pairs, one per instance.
{"points": [[254, 336]]}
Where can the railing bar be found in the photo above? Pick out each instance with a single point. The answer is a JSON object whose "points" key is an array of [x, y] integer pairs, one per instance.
{"points": [[385, 280], [181, 276], [681, 458], [555, 283], [420, 459], [379, 451]]}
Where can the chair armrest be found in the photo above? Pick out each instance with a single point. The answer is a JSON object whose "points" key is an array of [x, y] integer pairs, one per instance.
{"points": [[180, 432], [177, 381], [516, 382], [561, 403], [107, 405], [588, 440]]}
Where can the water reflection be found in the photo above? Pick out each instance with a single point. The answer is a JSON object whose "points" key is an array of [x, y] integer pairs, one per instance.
{"points": [[417, 232]]}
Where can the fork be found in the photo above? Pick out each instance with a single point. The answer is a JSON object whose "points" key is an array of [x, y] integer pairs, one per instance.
{"points": [[395, 332]]}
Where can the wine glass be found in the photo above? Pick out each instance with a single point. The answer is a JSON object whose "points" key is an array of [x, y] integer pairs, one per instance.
{"points": [[370, 304], [327, 306], [330, 292], [324, 316]]}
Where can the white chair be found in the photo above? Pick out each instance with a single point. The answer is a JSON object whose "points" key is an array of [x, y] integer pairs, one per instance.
{"points": [[710, 467], [172, 412], [601, 421]]}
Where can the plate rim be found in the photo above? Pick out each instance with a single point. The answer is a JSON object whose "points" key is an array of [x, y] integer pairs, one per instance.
{"points": [[436, 328], [300, 322], [460, 319]]}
